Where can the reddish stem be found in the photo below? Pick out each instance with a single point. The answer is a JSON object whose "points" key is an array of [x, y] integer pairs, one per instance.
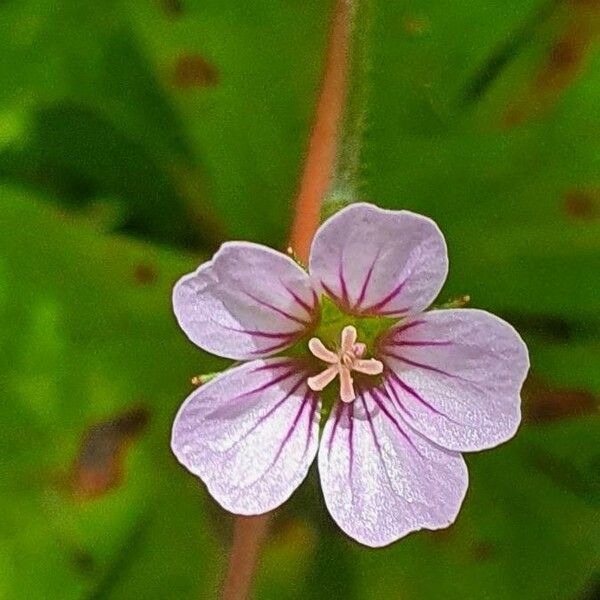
{"points": [[248, 535], [322, 145]]}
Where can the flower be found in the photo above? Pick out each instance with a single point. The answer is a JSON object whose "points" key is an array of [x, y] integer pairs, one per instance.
{"points": [[402, 392]]}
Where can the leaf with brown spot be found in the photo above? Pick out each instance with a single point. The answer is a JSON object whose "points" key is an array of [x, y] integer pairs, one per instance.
{"points": [[99, 466], [483, 551], [172, 8], [583, 204], [193, 71], [566, 61], [145, 274], [543, 403]]}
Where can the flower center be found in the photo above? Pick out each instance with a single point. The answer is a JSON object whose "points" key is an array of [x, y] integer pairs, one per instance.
{"points": [[347, 359]]}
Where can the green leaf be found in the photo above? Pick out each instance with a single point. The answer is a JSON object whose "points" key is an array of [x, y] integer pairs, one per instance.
{"points": [[87, 336], [516, 200], [179, 113]]}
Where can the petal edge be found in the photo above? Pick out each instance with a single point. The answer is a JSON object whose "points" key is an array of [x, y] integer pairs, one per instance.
{"points": [[247, 302], [456, 377], [380, 262], [250, 434], [381, 480]]}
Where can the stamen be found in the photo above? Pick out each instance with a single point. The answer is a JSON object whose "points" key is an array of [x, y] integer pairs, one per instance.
{"points": [[316, 346], [320, 381], [348, 359], [349, 336], [346, 386], [368, 367]]}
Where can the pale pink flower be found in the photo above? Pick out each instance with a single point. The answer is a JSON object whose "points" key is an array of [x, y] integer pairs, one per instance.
{"points": [[404, 391]]}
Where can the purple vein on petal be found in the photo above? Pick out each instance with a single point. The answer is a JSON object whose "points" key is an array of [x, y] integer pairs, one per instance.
{"points": [[351, 441], [378, 445], [315, 301], [363, 290], [269, 413], [418, 343], [392, 313], [268, 384], [313, 410], [278, 346], [276, 309], [395, 398], [336, 422], [265, 334], [283, 362], [404, 328], [372, 427], [331, 293], [381, 404], [412, 392], [303, 304], [343, 286], [419, 365], [292, 428], [285, 440], [385, 301]]}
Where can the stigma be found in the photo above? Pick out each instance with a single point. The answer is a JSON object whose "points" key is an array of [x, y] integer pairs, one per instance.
{"points": [[348, 358]]}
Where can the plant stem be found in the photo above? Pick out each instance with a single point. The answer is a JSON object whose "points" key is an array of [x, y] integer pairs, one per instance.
{"points": [[322, 146], [345, 181], [248, 536], [250, 532]]}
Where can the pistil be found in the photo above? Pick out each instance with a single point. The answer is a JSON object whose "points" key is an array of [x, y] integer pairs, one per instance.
{"points": [[342, 363]]}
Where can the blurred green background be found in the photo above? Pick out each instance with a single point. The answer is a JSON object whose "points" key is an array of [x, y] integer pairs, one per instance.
{"points": [[135, 136]]}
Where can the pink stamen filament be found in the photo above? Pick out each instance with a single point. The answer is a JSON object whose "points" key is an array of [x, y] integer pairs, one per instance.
{"points": [[348, 359]]}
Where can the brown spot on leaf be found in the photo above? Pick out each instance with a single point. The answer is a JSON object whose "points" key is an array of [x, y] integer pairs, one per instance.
{"points": [[594, 4], [514, 116], [145, 274], [193, 71], [483, 550], [583, 204], [565, 53], [566, 60], [98, 467], [173, 8], [83, 561], [544, 404]]}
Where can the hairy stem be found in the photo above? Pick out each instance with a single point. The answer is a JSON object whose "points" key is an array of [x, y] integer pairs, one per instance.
{"points": [[346, 175], [250, 532], [322, 146]]}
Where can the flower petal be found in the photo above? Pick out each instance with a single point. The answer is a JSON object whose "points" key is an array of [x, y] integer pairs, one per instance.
{"points": [[381, 479], [375, 261], [456, 375], [248, 302], [250, 434]]}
